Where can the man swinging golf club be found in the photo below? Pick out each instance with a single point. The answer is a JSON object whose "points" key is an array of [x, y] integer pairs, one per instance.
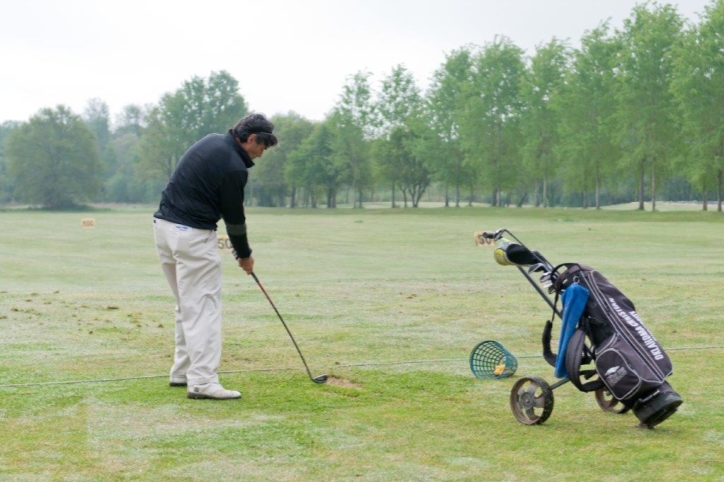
{"points": [[206, 186]]}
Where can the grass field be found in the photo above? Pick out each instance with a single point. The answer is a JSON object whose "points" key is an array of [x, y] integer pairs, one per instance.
{"points": [[389, 303]]}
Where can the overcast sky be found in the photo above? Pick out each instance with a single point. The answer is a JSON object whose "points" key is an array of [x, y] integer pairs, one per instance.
{"points": [[288, 55]]}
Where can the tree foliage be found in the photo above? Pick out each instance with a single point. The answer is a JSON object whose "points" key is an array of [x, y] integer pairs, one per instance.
{"points": [[646, 117], [54, 160], [445, 102], [314, 167], [398, 101], [540, 85], [198, 108], [354, 120], [491, 121], [632, 114], [6, 184], [698, 87], [585, 107], [270, 182]]}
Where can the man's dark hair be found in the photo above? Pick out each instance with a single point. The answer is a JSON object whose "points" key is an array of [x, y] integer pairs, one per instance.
{"points": [[255, 124]]}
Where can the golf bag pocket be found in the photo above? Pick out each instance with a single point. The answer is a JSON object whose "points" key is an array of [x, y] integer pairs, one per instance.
{"points": [[624, 372]]}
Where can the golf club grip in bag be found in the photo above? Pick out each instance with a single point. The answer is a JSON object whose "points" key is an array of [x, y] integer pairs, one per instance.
{"points": [[628, 359]]}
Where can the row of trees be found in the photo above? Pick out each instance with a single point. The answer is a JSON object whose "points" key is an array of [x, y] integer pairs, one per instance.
{"points": [[635, 113]]}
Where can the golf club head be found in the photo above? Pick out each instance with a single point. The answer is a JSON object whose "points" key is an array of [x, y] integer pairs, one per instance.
{"points": [[320, 379], [501, 257], [536, 267]]}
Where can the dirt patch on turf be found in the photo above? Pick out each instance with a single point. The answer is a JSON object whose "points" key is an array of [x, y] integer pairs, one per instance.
{"points": [[342, 382]]}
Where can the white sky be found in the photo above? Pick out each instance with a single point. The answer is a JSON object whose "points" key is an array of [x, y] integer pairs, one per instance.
{"points": [[288, 55]]}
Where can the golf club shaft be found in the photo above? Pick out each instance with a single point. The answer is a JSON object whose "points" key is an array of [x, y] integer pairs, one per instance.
{"points": [[285, 326]]}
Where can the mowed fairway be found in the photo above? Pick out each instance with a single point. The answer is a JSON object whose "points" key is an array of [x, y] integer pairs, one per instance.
{"points": [[389, 303]]}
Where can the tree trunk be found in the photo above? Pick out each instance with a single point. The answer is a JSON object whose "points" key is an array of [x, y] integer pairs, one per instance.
{"points": [[393, 195], [331, 198], [545, 192], [641, 184], [653, 184], [457, 178], [598, 191], [718, 189], [522, 199]]}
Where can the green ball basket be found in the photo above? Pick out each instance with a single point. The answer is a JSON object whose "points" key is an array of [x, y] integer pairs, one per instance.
{"points": [[489, 355]]}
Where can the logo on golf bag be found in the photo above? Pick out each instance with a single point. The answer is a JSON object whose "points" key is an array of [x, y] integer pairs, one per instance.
{"points": [[614, 375], [635, 322]]}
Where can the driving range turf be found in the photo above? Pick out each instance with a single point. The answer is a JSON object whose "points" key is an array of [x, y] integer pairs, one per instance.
{"points": [[389, 303]]}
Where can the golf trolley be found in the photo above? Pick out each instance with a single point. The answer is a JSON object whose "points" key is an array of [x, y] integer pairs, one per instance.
{"points": [[599, 325]]}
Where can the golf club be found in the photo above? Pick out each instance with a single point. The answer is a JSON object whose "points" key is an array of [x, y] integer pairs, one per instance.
{"points": [[320, 378]]}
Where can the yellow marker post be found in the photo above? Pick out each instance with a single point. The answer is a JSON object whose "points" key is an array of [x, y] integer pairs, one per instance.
{"points": [[88, 223], [224, 242]]}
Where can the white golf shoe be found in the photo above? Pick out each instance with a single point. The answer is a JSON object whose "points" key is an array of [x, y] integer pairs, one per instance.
{"points": [[177, 382], [212, 391]]}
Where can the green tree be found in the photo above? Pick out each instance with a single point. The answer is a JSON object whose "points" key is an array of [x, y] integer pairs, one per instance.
{"points": [[398, 100], [354, 122], [195, 110], [646, 117], [314, 166], [123, 183], [698, 86], [97, 116], [418, 145], [541, 83], [445, 101], [6, 185], [130, 119], [54, 160], [270, 182], [490, 123], [586, 105]]}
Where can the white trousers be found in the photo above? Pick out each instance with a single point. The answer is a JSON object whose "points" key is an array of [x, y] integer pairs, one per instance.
{"points": [[191, 262]]}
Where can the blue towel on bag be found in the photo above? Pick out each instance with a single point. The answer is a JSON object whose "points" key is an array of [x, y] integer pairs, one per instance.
{"points": [[574, 302]]}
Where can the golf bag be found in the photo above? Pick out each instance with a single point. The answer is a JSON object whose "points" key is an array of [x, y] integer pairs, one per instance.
{"points": [[600, 325]]}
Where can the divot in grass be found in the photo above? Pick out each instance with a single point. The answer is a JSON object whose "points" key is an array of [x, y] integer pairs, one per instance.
{"points": [[342, 383]]}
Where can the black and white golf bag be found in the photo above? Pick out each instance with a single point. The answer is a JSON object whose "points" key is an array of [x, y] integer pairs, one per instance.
{"points": [[606, 330]]}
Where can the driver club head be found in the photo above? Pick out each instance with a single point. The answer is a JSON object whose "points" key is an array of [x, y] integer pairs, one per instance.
{"points": [[320, 379]]}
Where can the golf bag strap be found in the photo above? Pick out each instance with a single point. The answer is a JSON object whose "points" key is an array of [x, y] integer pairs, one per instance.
{"points": [[576, 353], [548, 354]]}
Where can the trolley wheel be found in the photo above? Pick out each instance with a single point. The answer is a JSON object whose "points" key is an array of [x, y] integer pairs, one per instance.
{"points": [[531, 400], [608, 402]]}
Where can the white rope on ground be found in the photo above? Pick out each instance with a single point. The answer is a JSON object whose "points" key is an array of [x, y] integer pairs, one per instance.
{"points": [[349, 365]]}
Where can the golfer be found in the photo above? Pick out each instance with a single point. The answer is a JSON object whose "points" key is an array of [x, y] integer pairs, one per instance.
{"points": [[206, 186]]}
